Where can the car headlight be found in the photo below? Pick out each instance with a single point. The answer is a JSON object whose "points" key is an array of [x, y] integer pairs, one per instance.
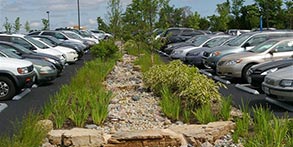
{"points": [[22, 70], [217, 53], [286, 83], [269, 71], [51, 60], [232, 62]]}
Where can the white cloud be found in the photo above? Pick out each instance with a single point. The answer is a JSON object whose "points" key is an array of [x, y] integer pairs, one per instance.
{"points": [[35, 24], [92, 21]]}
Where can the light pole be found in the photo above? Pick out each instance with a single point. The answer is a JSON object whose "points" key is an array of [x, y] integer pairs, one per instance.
{"points": [[48, 12], [78, 15]]}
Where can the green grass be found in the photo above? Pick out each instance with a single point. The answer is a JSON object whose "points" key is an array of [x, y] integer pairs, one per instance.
{"points": [[171, 105], [226, 106], [28, 133], [204, 114]]}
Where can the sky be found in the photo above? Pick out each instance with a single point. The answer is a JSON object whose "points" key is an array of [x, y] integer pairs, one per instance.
{"points": [[64, 12]]}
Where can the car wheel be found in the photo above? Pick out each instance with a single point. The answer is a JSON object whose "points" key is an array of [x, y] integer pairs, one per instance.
{"points": [[7, 88], [245, 72]]}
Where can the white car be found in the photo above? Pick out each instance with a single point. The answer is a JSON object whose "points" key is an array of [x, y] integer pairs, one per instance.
{"points": [[73, 35], [32, 44], [71, 55]]}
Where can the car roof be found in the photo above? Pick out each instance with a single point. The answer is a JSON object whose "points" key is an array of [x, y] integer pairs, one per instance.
{"points": [[18, 35]]}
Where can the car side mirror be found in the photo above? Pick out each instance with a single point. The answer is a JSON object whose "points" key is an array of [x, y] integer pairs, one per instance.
{"points": [[205, 45], [246, 45], [17, 52], [273, 51], [32, 48]]}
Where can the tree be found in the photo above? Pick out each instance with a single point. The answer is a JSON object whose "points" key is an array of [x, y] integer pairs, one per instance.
{"points": [[17, 25], [250, 17], [204, 23], [220, 23], [193, 21], [165, 15], [27, 26], [115, 12], [7, 26], [289, 14], [269, 10], [236, 11], [45, 24], [102, 25]]}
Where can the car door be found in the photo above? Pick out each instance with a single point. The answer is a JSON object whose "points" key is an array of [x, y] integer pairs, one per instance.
{"points": [[282, 50]]}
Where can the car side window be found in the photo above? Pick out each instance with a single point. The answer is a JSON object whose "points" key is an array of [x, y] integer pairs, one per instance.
{"points": [[187, 33], [21, 42], [286, 46], [255, 40], [60, 36], [5, 38]]}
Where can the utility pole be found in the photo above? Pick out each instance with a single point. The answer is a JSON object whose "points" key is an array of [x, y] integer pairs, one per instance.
{"points": [[48, 12], [78, 15]]}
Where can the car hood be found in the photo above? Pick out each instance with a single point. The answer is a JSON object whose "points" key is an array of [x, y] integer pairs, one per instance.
{"points": [[239, 55], [273, 64], [223, 48], [11, 62], [186, 48], [199, 50], [285, 73], [38, 62], [46, 55]]}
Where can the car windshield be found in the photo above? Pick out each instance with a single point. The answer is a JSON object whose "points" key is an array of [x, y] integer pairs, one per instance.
{"points": [[54, 40], [23, 49], [85, 34], [200, 40], [48, 42], [263, 46], [216, 41], [239, 40], [73, 35], [192, 39], [10, 54], [36, 42]]}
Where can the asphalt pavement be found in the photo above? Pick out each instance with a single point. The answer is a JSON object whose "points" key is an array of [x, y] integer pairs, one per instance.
{"points": [[35, 100]]}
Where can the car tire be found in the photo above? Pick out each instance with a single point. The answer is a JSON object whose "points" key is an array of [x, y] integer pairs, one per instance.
{"points": [[7, 88], [244, 72]]}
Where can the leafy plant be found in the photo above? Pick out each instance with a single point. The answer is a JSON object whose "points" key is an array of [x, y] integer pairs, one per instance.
{"points": [[170, 104], [204, 114], [186, 82], [105, 49]]}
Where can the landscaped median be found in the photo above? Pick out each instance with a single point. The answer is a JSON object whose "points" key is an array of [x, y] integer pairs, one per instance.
{"points": [[135, 99]]}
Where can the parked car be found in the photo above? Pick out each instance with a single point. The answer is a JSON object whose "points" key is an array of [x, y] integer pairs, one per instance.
{"points": [[15, 75], [26, 53], [61, 36], [257, 73], [71, 55], [79, 48], [200, 41], [31, 44], [101, 35], [237, 65], [241, 43], [45, 71], [173, 35], [279, 85], [81, 34], [195, 57], [86, 41]]}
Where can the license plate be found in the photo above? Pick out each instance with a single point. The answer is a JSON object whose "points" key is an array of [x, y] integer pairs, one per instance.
{"points": [[266, 90]]}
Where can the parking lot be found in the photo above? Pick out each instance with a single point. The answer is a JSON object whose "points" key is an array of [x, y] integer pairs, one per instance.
{"points": [[35, 100]]}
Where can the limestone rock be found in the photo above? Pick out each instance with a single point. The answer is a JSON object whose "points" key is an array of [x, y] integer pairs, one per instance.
{"points": [[46, 125]]}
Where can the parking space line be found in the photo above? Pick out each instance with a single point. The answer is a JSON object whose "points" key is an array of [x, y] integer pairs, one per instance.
{"points": [[244, 87], [22, 94], [280, 104], [3, 106]]}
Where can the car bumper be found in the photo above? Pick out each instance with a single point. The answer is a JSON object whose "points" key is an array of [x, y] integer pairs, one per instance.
{"points": [[255, 80], [47, 76], [71, 57], [26, 81], [278, 93], [230, 71], [194, 60]]}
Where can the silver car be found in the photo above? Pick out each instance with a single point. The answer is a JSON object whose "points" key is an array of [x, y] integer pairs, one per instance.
{"points": [[237, 65], [279, 85]]}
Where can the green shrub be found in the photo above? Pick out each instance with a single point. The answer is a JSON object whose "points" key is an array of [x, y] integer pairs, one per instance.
{"points": [[184, 81], [105, 49], [170, 104]]}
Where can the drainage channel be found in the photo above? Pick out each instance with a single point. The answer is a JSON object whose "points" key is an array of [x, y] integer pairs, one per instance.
{"points": [[3, 106]]}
